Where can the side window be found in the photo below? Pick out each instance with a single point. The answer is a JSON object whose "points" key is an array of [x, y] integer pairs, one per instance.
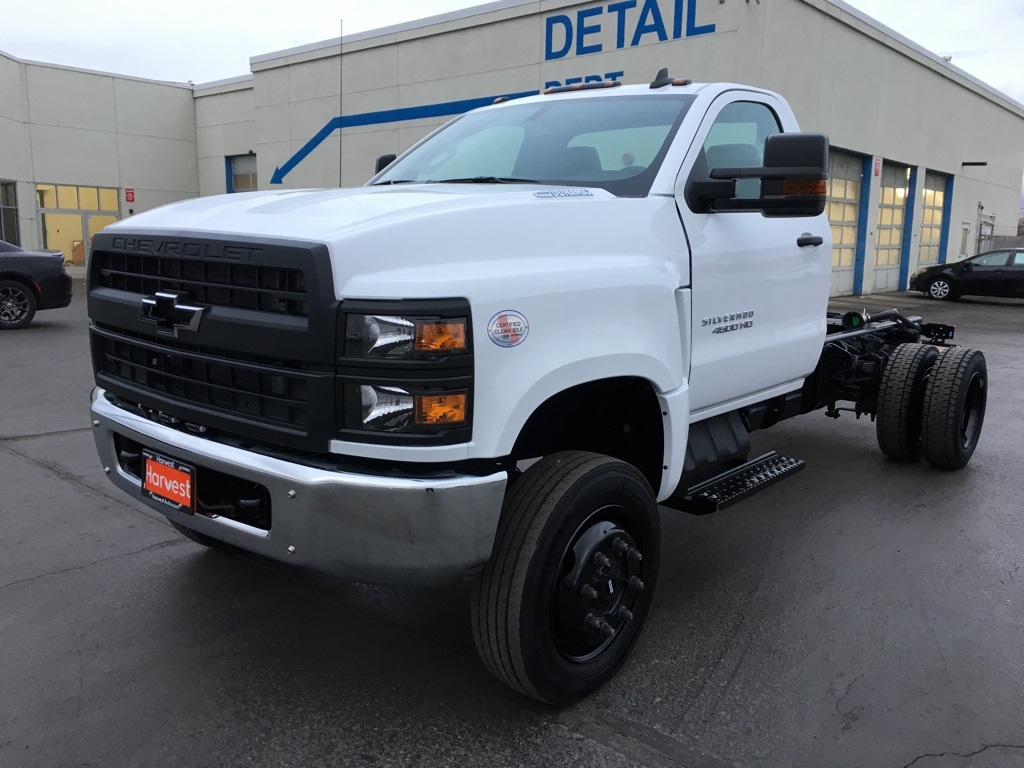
{"points": [[1018, 259], [997, 259], [736, 140]]}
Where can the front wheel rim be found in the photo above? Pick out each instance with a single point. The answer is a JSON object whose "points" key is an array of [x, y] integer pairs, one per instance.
{"points": [[13, 305], [597, 585], [939, 289]]}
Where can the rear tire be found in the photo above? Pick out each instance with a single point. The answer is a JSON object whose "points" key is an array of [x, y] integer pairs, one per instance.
{"points": [[900, 397], [954, 408], [572, 577], [200, 538], [940, 288], [17, 305]]}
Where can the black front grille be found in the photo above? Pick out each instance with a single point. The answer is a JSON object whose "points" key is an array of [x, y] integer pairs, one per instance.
{"points": [[273, 395], [260, 362], [279, 290]]}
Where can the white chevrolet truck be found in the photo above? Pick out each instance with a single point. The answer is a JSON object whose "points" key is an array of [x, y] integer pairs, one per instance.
{"points": [[549, 322]]}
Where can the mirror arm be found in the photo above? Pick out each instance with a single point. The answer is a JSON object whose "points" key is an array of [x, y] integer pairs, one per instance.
{"points": [[767, 173]]}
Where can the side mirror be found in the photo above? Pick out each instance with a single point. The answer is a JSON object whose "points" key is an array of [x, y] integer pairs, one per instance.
{"points": [[384, 161], [793, 179]]}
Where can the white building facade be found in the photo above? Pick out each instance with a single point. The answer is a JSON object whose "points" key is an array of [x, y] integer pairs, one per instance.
{"points": [[925, 158]]}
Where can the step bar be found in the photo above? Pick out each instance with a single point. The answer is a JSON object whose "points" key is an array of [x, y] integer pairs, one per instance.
{"points": [[728, 488]]}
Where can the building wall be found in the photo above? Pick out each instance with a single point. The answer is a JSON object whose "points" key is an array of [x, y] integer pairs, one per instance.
{"points": [[225, 127], [73, 127]]}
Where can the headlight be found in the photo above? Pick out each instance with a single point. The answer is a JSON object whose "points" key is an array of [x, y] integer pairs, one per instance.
{"points": [[393, 337], [404, 409]]}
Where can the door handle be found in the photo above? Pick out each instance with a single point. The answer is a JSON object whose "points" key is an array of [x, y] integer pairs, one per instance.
{"points": [[808, 239]]}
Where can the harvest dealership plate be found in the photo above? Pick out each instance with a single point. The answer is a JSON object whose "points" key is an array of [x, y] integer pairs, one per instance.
{"points": [[169, 481]]}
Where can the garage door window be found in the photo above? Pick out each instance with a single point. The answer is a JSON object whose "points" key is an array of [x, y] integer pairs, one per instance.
{"points": [[9, 213], [932, 212]]}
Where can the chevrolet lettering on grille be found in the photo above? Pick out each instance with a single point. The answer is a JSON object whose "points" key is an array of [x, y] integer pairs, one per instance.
{"points": [[170, 314]]}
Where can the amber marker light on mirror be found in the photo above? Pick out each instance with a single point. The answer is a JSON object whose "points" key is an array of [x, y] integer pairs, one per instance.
{"points": [[449, 408], [442, 336], [804, 187]]}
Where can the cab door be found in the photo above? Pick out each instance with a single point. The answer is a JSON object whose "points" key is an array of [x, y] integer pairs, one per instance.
{"points": [[759, 285]]}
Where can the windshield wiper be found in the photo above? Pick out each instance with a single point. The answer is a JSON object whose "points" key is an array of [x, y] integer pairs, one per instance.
{"points": [[394, 181], [485, 180]]}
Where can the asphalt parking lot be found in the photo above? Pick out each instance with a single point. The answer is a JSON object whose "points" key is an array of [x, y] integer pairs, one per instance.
{"points": [[862, 613]]}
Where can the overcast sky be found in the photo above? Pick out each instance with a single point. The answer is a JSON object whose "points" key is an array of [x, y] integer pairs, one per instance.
{"points": [[204, 40]]}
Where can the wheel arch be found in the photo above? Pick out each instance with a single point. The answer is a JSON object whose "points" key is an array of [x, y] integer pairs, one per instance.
{"points": [[618, 416], [20, 278]]}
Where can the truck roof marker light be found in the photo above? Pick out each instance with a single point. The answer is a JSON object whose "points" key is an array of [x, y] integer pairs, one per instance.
{"points": [[582, 87], [683, 81], [501, 100]]}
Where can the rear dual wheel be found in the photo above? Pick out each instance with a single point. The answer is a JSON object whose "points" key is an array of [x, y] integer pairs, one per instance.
{"points": [[954, 408], [571, 580], [932, 404], [900, 397]]}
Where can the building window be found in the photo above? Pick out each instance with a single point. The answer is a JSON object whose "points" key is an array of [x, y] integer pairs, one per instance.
{"points": [[242, 173], [9, 213], [70, 215]]}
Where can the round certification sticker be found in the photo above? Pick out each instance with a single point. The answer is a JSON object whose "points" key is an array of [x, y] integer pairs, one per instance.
{"points": [[508, 328]]}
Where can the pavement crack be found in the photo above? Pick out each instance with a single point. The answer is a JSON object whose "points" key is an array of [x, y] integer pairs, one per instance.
{"points": [[846, 693], [158, 545], [53, 433], [639, 742], [940, 755], [78, 482]]}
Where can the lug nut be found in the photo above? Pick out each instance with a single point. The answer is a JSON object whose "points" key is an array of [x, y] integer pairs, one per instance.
{"points": [[589, 592], [601, 560], [624, 613], [634, 554], [620, 546], [635, 583], [607, 629]]}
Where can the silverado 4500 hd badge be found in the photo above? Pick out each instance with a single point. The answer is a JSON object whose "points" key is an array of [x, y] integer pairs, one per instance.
{"points": [[726, 323]]}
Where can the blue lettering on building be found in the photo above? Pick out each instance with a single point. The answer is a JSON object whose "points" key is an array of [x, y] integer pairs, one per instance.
{"points": [[635, 21]]}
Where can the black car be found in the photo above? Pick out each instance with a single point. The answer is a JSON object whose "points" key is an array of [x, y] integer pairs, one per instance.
{"points": [[30, 281], [995, 273]]}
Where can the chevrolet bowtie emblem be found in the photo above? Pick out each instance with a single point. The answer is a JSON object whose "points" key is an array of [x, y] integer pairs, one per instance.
{"points": [[170, 312]]}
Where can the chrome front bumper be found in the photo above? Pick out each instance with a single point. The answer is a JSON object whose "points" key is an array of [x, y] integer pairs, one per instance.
{"points": [[364, 528]]}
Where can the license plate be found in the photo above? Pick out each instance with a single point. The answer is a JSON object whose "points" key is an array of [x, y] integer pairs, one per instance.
{"points": [[169, 481]]}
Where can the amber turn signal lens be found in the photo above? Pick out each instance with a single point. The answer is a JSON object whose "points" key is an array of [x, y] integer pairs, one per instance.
{"points": [[441, 409], [804, 187], [441, 336]]}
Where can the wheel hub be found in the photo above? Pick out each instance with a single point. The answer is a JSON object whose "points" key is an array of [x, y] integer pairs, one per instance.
{"points": [[598, 588]]}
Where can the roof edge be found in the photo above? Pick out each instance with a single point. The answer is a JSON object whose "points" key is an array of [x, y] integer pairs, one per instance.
{"points": [[922, 51]]}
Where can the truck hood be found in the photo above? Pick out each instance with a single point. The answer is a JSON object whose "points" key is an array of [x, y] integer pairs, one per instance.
{"points": [[327, 214]]}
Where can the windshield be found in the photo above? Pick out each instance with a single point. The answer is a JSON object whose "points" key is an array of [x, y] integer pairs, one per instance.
{"points": [[617, 143]]}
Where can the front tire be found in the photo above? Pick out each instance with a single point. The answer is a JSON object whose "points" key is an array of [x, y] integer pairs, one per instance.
{"points": [[572, 577], [17, 305], [941, 289], [954, 408], [900, 396]]}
